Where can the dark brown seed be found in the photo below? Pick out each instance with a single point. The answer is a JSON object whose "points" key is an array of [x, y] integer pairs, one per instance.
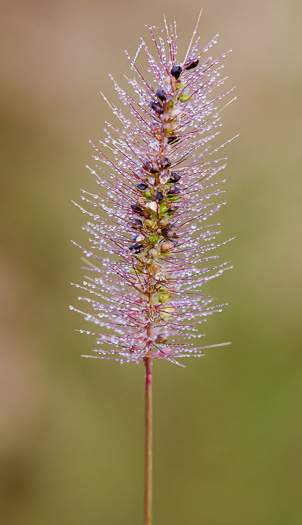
{"points": [[168, 232], [191, 64], [154, 168], [136, 209], [150, 166], [141, 186], [174, 177], [136, 224], [147, 164], [174, 190], [165, 163], [159, 196], [156, 107], [173, 139], [136, 248], [176, 71], [160, 93]]}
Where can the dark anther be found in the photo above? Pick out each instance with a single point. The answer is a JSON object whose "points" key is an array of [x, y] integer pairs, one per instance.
{"points": [[141, 186], [136, 248], [165, 163], [171, 234], [150, 166], [156, 107], [174, 177], [176, 71], [147, 164], [159, 196], [173, 139], [136, 224], [137, 209], [174, 190], [191, 64], [160, 93], [167, 232]]}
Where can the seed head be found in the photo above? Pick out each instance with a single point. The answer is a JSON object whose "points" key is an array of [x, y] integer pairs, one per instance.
{"points": [[152, 241]]}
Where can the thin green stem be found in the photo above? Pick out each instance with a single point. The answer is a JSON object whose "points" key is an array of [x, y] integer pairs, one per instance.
{"points": [[148, 441]]}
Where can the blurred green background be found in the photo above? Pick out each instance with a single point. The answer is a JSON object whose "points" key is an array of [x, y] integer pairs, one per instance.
{"points": [[228, 428]]}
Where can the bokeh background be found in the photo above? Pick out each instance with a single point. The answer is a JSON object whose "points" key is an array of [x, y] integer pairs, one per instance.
{"points": [[228, 428]]}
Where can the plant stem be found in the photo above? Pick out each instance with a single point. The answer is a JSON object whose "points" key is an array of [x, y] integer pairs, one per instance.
{"points": [[148, 441]]}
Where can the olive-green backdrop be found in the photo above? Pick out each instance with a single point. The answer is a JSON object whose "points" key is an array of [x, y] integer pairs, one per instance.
{"points": [[228, 428]]}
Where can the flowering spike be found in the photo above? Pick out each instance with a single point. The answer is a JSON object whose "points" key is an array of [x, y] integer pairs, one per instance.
{"points": [[149, 238]]}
